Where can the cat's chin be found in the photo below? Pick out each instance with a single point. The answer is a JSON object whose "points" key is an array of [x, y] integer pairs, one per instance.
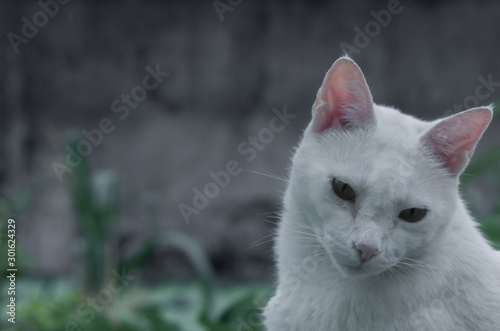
{"points": [[358, 271]]}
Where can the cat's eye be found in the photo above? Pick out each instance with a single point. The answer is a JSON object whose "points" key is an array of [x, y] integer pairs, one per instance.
{"points": [[343, 190], [412, 215]]}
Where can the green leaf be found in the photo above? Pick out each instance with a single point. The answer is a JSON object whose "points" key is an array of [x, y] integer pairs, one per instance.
{"points": [[210, 324], [154, 319], [199, 259]]}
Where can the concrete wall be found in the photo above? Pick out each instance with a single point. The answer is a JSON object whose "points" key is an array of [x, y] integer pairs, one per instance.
{"points": [[225, 77]]}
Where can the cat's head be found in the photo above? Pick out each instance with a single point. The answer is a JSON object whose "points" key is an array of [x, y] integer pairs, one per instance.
{"points": [[378, 187]]}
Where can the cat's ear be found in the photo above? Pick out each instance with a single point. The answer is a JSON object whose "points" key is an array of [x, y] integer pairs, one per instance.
{"points": [[454, 139], [344, 100]]}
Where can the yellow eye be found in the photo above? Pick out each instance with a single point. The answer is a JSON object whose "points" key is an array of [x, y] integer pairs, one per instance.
{"points": [[343, 190], [412, 215]]}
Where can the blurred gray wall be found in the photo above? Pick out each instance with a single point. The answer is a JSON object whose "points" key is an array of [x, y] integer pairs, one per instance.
{"points": [[228, 68]]}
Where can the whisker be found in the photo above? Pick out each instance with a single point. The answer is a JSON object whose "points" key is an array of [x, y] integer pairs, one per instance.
{"points": [[277, 213], [261, 241], [269, 221], [471, 175], [266, 175]]}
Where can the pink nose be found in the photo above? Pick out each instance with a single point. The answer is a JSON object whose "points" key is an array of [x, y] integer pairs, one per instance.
{"points": [[366, 252]]}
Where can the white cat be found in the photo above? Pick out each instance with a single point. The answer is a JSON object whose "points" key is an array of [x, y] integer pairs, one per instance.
{"points": [[374, 235]]}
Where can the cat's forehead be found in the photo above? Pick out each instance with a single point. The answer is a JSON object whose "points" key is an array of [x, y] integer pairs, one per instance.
{"points": [[377, 156], [391, 153], [395, 132], [380, 171], [386, 147], [392, 123]]}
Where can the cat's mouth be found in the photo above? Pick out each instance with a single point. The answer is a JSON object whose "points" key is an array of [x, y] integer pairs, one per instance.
{"points": [[360, 269], [351, 266]]}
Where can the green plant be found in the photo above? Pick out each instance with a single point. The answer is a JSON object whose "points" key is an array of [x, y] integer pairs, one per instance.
{"points": [[13, 205], [242, 313], [95, 201], [151, 202], [50, 311]]}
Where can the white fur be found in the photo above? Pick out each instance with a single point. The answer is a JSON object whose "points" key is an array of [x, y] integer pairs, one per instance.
{"points": [[436, 274]]}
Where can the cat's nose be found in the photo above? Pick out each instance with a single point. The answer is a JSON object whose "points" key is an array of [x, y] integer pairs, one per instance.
{"points": [[366, 252]]}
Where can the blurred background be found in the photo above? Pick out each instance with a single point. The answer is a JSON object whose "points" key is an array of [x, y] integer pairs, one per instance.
{"points": [[138, 156]]}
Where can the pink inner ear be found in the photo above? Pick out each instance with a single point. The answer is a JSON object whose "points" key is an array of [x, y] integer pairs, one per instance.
{"points": [[344, 99], [454, 139]]}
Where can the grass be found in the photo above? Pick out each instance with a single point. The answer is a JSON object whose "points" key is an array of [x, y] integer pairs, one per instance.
{"points": [[54, 306]]}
